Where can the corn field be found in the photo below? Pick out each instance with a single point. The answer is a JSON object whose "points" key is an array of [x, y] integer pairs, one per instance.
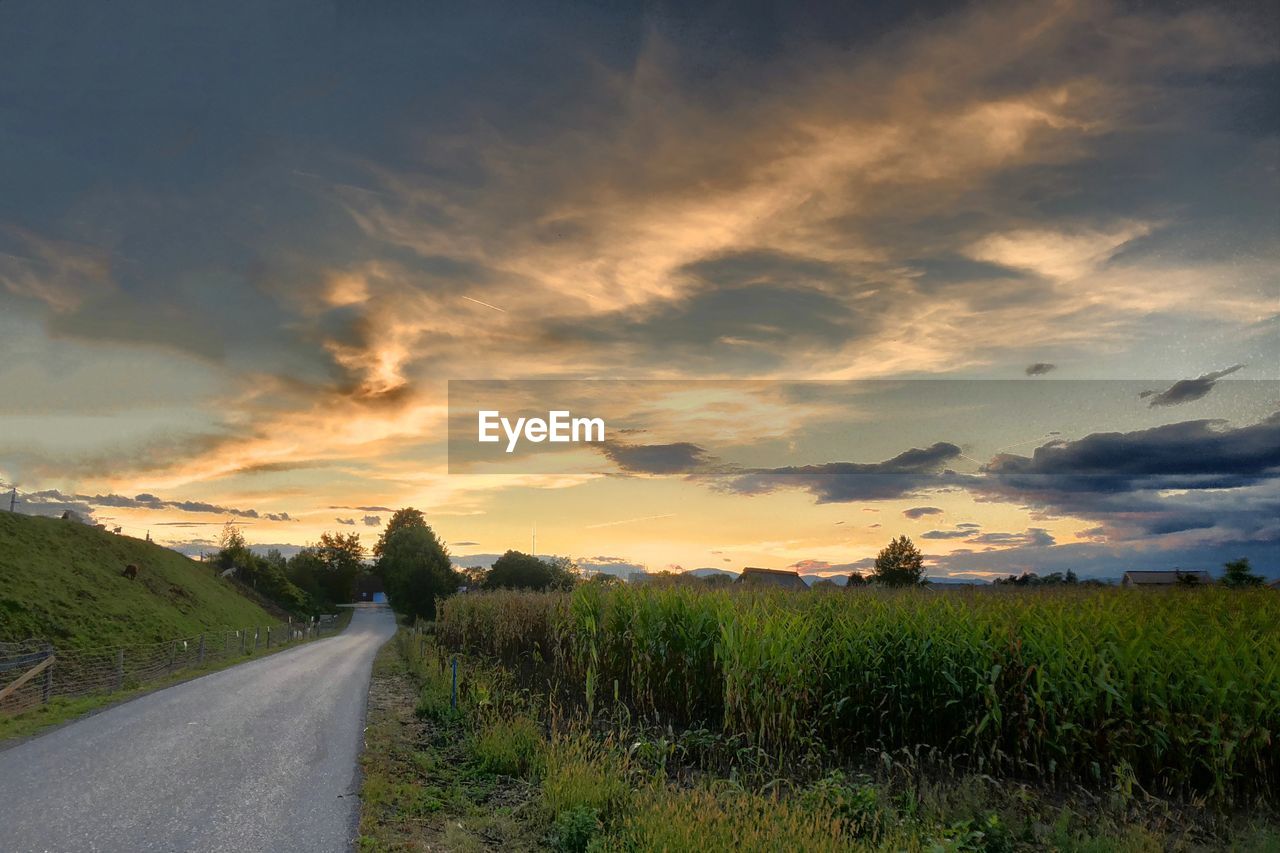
{"points": [[1176, 691]]}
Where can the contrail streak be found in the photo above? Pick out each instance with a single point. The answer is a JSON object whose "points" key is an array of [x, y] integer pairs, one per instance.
{"points": [[629, 521], [485, 304]]}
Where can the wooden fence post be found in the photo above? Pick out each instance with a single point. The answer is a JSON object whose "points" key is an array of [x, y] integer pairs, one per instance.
{"points": [[268, 636], [47, 690], [201, 658], [256, 631], [120, 669], [243, 639], [44, 661]]}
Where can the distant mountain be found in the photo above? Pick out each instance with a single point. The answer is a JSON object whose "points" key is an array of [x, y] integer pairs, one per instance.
{"points": [[710, 572]]}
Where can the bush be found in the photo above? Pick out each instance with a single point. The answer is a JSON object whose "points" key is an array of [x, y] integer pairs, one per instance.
{"points": [[581, 774], [510, 748], [574, 830]]}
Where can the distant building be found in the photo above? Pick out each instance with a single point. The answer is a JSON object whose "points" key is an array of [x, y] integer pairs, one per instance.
{"points": [[781, 578], [1171, 578], [369, 588]]}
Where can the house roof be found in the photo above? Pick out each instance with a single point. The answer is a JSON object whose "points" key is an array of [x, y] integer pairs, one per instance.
{"points": [[783, 578], [1166, 578]]}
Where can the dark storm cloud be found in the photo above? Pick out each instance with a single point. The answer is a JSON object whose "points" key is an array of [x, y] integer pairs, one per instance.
{"points": [[921, 511], [1040, 368], [1189, 476], [1200, 454], [372, 521], [346, 521], [53, 503], [842, 482], [1033, 537], [152, 502], [831, 482], [677, 458], [1188, 390]]}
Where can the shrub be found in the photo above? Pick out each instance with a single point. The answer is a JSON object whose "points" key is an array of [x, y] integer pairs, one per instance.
{"points": [[510, 748]]}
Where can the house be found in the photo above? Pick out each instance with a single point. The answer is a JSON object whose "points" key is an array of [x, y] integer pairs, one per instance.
{"points": [[369, 588], [1171, 578], [780, 578]]}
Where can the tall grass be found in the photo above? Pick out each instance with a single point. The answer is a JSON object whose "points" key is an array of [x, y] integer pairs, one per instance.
{"points": [[1177, 692]]}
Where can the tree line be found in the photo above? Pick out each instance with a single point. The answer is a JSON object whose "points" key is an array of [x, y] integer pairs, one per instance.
{"points": [[416, 569], [410, 559]]}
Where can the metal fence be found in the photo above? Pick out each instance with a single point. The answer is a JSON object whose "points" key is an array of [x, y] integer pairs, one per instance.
{"points": [[34, 672]]}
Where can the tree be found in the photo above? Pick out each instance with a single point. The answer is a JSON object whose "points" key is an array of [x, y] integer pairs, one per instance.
{"points": [[400, 519], [473, 576], [341, 561], [231, 539], [899, 564], [414, 565], [856, 579], [517, 570], [266, 575], [1239, 574]]}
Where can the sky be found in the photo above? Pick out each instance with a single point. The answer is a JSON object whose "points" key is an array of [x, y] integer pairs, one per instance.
{"points": [[1001, 277]]}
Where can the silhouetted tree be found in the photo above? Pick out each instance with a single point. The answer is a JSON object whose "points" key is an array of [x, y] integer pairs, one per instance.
{"points": [[899, 564], [400, 519], [264, 575], [1239, 574], [414, 565], [516, 570], [341, 560], [473, 577]]}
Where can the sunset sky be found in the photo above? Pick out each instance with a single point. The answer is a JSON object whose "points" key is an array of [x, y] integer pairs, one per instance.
{"points": [[244, 248]]}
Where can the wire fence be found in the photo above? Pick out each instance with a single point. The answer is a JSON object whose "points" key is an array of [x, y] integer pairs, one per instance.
{"points": [[33, 672]]}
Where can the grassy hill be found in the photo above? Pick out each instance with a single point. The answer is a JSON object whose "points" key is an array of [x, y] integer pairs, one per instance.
{"points": [[61, 581]]}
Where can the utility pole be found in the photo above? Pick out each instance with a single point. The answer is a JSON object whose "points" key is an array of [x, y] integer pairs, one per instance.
{"points": [[13, 499], [535, 539]]}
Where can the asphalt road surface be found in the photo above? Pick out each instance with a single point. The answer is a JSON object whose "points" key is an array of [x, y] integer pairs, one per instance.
{"points": [[258, 757]]}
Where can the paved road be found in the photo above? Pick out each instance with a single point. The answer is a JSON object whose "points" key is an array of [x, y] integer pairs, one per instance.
{"points": [[258, 757]]}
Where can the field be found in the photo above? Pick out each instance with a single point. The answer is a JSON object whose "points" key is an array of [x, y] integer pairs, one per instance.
{"points": [[60, 581], [1175, 694]]}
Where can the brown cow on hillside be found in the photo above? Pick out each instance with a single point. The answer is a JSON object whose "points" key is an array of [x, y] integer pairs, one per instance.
{"points": [[130, 571]]}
